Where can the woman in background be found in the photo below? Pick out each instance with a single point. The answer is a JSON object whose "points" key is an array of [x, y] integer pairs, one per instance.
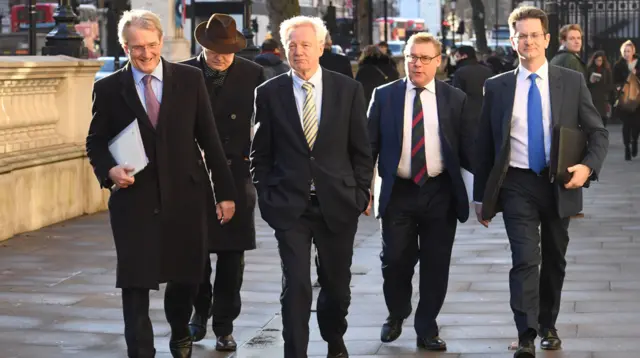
{"points": [[600, 83], [626, 65], [374, 70]]}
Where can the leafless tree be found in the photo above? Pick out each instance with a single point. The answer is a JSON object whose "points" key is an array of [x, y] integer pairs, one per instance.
{"points": [[280, 10]]}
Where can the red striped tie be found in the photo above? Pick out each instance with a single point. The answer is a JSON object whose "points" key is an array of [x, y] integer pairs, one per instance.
{"points": [[418, 161]]}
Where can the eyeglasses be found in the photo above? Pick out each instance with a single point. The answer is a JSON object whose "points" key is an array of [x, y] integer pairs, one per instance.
{"points": [[425, 60], [141, 48], [533, 37]]}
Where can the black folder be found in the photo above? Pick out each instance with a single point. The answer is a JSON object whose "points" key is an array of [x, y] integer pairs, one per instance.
{"points": [[568, 147]]}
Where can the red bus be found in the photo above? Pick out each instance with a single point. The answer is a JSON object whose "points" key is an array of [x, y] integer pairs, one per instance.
{"points": [[43, 17]]}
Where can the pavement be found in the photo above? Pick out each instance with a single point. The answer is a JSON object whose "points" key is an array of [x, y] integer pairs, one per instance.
{"points": [[57, 294]]}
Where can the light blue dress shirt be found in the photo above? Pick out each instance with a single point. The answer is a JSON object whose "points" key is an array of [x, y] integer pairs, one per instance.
{"points": [[156, 83], [300, 94]]}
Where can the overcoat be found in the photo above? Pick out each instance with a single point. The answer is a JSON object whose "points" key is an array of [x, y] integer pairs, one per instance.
{"points": [[232, 105], [159, 222]]}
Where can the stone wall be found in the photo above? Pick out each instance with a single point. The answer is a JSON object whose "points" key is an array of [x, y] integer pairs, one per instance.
{"points": [[45, 111]]}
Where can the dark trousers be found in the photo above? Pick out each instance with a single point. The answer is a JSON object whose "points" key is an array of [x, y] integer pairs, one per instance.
{"points": [[419, 224], [537, 234], [225, 292], [630, 126], [333, 262], [138, 332]]}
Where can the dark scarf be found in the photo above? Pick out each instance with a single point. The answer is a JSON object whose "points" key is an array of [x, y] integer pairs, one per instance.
{"points": [[215, 76]]}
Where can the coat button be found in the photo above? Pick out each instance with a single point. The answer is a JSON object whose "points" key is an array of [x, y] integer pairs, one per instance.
{"points": [[156, 211], [229, 162], [312, 158], [233, 116], [199, 162], [225, 140]]}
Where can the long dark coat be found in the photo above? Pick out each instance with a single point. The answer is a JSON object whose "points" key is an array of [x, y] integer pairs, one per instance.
{"points": [[601, 91], [159, 223], [233, 111]]}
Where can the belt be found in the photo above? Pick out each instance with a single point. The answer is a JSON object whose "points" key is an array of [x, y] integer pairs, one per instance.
{"points": [[543, 173], [313, 198]]}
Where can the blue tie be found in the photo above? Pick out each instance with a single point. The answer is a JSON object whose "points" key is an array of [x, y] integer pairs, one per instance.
{"points": [[537, 160]]}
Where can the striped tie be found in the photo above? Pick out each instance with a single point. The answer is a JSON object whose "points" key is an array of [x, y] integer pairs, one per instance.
{"points": [[309, 118], [418, 160]]}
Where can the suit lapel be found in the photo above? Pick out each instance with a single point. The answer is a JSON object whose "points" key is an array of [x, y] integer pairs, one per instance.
{"points": [[555, 92], [234, 76], [442, 102], [289, 103], [131, 98], [198, 62], [168, 88], [328, 105], [508, 96], [398, 96]]}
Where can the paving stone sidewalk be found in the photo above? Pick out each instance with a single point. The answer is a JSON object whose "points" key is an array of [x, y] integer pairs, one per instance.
{"points": [[57, 295]]}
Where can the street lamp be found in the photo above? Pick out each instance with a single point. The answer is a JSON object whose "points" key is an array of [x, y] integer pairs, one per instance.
{"points": [[355, 44], [64, 39], [31, 8], [251, 51], [551, 8], [453, 21]]}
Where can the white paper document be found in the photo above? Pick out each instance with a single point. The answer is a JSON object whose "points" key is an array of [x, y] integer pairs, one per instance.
{"points": [[127, 148]]}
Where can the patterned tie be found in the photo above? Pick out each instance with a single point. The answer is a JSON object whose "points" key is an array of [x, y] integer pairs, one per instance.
{"points": [[537, 160], [309, 118], [151, 101], [418, 160]]}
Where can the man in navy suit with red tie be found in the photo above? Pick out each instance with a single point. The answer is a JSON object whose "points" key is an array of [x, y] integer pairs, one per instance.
{"points": [[421, 134]]}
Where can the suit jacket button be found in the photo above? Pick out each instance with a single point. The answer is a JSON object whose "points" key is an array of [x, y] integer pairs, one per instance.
{"points": [[312, 158], [156, 211], [233, 116], [229, 162]]}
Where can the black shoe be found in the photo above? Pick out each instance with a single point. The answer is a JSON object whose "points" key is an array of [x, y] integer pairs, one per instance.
{"points": [[198, 327], [526, 349], [337, 350], [432, 344], [181, 348], [391, 330], [550, 340], [226, 344], [634, 149], [627, 153]]}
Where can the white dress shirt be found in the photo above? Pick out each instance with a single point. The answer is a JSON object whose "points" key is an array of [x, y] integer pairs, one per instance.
{"points": [[432, 145], [300, 94], [519, 125], [156, 83]]}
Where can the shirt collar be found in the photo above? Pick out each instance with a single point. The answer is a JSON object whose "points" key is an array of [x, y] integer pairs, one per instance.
{"points": [[431, 86], [315, 80], [542, 72], [139, 75]]}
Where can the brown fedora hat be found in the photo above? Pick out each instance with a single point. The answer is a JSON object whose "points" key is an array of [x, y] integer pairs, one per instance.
{"points": [[219, 34]]}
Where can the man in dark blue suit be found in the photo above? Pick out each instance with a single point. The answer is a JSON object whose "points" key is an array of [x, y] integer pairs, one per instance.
{"points": [[421, 135], [513, 155]]}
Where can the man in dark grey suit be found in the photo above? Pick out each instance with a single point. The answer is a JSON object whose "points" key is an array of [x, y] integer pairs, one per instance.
{"points": [[312, 166], [512, 175]]}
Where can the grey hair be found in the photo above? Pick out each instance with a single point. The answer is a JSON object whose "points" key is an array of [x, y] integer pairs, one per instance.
{"points": [[289, 25], [143, 19]]}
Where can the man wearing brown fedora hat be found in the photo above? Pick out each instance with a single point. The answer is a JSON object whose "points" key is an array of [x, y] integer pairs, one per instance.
{"points": [[231, 82]]}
